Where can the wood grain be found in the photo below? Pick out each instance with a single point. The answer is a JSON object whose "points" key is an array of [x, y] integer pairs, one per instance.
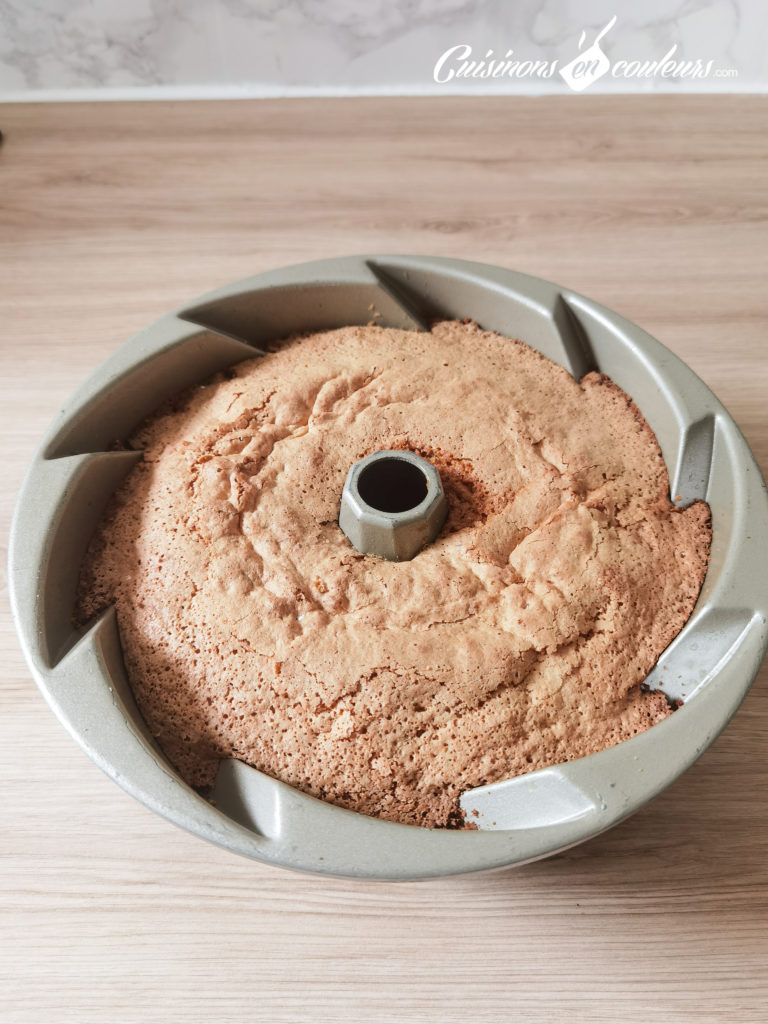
{"points": [[112, 214]]}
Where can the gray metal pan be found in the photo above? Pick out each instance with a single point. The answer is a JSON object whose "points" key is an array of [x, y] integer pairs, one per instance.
{"points": [[709, 667]]}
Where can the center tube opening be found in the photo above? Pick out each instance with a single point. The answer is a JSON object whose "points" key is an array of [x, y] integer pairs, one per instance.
{"points": [[392, 485]]}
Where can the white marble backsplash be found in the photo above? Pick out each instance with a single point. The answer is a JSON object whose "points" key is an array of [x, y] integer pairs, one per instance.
{"points": [[114, 48]]}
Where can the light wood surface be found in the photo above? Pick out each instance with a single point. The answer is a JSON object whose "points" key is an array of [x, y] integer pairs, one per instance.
{"points": [[109, 216]]}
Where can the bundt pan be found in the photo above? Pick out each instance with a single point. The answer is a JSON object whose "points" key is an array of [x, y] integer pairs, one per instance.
{"points": [[709, 667]]}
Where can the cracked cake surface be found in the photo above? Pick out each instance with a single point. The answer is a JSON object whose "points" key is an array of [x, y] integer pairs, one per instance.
{"points": [[518, 639]]}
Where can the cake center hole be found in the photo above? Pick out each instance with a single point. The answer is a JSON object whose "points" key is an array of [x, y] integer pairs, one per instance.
{"points": [[392, 485]]}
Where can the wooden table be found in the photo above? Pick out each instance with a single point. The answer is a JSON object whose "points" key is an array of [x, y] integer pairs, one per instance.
{"points": [[112, 214]]}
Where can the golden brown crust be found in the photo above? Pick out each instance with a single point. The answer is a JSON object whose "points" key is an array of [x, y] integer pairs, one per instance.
{"points": [[518, 639]]}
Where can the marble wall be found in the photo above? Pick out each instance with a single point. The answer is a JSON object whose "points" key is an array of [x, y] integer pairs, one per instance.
{"points": [[116, 48]]}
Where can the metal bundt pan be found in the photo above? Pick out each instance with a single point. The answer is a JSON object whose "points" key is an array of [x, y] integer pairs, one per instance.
{"points": [[709, 667]]}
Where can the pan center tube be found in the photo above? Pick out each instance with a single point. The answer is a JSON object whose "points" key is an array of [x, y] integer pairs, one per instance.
{"points": [[392, 505]]}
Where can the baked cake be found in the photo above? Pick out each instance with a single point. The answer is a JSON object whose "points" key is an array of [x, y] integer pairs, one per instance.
{"points": [[519, 638]]}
